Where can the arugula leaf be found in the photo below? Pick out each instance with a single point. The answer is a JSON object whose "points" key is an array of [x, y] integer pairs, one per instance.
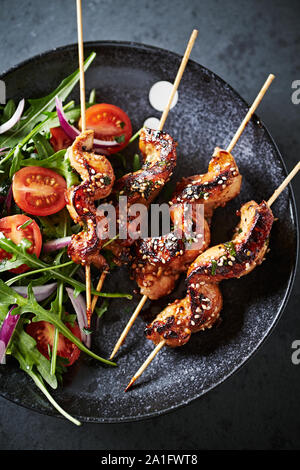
{"points": [[42, 145], [30, 305], [102, 309], [59, 162], [26, 345], [8, 110], [10, 263], [57, 306], [34, 262], [14, 261], [87, 331], [16, 161], [23, 348], [52, 225], [37, 108], [72, 115], [92, 97], [40, 384]]}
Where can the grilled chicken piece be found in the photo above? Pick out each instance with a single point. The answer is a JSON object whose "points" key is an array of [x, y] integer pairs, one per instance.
{"points": [[159, 261], [158, 150], [215, 188], [202, 305], [197, 311], [98, 179], [239, 256]]}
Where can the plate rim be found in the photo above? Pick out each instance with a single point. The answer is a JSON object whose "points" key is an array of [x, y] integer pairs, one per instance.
{"points": [[292, 209]]}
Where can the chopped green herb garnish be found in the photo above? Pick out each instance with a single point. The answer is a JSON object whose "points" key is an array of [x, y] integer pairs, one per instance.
{"points": [[230, 248], [106, 180], [136, 164], [120, 139], [213, 267], [28, 222]]}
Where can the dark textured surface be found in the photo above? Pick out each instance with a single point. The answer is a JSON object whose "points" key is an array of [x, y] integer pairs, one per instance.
{"points": [[245, 411]]}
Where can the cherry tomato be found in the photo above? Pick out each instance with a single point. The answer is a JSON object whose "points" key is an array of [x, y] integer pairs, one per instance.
{"points": [[59, 139], [11, 227], [38, 190], [109, 123], [43, 333]]}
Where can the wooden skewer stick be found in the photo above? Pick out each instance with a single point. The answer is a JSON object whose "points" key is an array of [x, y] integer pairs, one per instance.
{"points": [[284, 184], [163, 118], [81, 64], [165, 113], [178, 78], [162, 343], [129, 325], [250, 113], [230, 147], [99, 287], [83, 127], [146, 364]]}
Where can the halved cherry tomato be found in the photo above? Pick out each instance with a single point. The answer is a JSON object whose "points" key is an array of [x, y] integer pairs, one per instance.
{"points": [[59, 139], [11, 227], [38, 190], [43, 333], [109, 123]]}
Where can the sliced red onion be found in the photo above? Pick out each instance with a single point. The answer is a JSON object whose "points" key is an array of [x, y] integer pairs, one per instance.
{"points": [[72, 132], [8, 327], [56, 244], [80, 309], [40, 292], [2, 352], [14, 119]]}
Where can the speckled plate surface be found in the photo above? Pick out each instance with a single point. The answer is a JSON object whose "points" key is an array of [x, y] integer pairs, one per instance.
{"points": [[207, 114]]}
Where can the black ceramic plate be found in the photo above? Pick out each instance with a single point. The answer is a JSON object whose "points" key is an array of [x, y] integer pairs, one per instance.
{"points": [[207, 114]]}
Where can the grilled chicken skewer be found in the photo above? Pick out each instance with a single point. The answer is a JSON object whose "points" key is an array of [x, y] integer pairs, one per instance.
{"points": [[82, 104], [98, 178], [201, 307], [116, 246], [160, 260], [201, 189]]}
